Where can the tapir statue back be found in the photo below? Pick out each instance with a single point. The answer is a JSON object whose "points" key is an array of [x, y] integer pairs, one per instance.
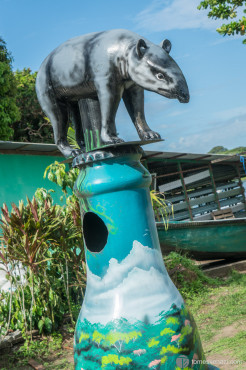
{"points": [[101, 68]]}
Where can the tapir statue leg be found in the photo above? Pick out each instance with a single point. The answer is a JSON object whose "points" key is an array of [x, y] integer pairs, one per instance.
{"points": [[132, 317]]}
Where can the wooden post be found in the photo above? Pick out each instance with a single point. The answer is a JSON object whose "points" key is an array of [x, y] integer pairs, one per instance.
{"points": [[241, 185], [185, 191], [153, 175], [214, 185]]}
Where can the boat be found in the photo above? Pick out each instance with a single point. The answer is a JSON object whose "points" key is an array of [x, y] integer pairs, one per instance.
{"points": [[205, 196], [212, 239]]}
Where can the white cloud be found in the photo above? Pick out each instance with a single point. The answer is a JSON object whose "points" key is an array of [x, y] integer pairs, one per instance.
{"points": [[134, 288], [178, 112], [227, 38], [230, 133], [174, 14], [227, 114], [163, 126]]}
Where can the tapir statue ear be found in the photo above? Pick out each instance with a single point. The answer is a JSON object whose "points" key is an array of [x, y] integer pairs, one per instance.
{"points": [[166, 45], [141, 48]]}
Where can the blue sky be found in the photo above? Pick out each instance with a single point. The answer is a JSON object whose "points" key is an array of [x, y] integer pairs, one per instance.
{"points": [[214, 66]]}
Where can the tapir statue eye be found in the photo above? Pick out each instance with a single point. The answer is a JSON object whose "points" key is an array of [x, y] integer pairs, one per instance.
{"points": [[160, 76]]}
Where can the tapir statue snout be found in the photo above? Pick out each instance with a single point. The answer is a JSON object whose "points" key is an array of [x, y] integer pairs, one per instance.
{"points": [[183, 93], [106, 66]]}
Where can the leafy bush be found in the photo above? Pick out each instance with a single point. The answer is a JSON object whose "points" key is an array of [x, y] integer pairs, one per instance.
{"points": [[43, 256], [57, 173], [186, 275]]}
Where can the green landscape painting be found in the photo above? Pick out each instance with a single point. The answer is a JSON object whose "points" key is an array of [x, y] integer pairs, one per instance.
{"points": [[171, 343]]}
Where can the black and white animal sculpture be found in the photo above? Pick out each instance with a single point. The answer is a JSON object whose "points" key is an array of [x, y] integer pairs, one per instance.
{"points": [[104, 67]]}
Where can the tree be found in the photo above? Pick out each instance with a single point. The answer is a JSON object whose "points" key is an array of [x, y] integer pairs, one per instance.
{"points": [[8, 109], [217, 149], [32, 126], [227, 9], [222, 150]]}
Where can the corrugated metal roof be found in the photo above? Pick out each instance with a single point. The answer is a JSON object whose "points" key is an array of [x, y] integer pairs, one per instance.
{"points": [[213, 158], [51, 149], [10, 147]]}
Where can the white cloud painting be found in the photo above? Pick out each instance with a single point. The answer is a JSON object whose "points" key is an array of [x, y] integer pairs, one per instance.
{"points": [[136, 288]]}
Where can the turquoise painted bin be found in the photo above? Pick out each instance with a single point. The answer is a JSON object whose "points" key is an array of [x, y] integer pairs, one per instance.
{"points": [[132, 317]]}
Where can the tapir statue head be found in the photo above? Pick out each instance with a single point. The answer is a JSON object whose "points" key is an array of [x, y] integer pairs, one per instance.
{"points": [[151, 67]]}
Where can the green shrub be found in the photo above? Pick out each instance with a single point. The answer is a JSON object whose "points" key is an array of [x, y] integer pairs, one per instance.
{"points": [[187, 276], [43, 255]]}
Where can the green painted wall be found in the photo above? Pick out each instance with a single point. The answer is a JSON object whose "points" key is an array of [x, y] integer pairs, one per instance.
{"points": [[21, 175]]}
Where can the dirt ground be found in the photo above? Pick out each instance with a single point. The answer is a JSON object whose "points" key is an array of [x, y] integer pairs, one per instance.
{"points": [[225, 359]]}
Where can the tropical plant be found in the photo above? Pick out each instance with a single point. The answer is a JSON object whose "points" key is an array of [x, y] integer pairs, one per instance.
{"points": [[42, 254], [163, 210], [59, 174]]}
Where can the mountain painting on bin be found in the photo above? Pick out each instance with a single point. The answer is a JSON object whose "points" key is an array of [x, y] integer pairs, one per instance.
{"points": [[136, 288]]}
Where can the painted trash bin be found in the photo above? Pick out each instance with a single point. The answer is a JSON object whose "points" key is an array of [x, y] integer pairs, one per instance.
{"points": [[132, 317]]}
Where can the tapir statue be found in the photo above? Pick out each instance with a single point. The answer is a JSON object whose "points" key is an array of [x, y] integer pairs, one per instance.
{"points": [[105, 67]]}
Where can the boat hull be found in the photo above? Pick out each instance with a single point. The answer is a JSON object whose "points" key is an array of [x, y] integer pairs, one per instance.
{"points": [[212, 239]]}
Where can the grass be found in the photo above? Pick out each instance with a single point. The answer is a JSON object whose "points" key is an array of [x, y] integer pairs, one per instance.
{"points": [[220, 314], [220, 306]]}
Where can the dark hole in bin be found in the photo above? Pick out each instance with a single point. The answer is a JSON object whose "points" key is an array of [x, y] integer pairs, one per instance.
{"points": [[95, 232]]}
